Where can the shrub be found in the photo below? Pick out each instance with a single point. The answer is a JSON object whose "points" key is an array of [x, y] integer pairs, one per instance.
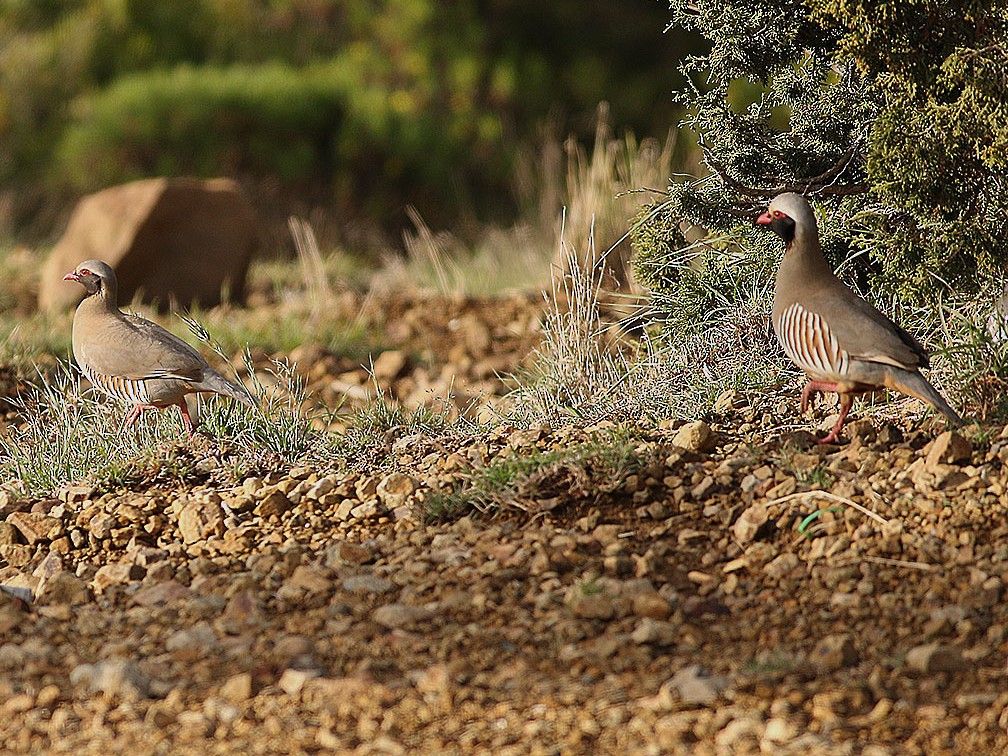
{"points": [[894, 118]]}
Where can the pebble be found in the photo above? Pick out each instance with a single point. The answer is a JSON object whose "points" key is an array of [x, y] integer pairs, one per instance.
{"points": [[396, 616], [929, 658], [119, 678], [695, 686]]}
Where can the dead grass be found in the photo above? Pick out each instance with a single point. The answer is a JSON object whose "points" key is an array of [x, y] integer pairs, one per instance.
{"points": [[563, 188]]}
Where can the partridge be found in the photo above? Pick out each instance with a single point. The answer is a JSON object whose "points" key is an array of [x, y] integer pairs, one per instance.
{"points": [[841, 342], [133, 359]]}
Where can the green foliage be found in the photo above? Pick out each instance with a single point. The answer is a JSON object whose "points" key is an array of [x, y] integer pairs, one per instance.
{"points": [[894, 116], [362, 105]]}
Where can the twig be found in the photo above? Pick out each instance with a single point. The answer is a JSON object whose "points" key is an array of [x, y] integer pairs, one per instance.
{"points": [[832, 497], [900, 563], [821, 184]]}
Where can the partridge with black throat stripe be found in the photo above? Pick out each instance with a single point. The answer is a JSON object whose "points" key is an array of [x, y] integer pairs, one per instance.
{"points": [[841, 342], [133, 359]]}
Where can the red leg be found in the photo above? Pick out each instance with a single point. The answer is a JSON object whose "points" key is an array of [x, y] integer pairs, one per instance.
{"points": [[138, 409], [846, 401], [185, 416], [134, 414], [814, 387]]}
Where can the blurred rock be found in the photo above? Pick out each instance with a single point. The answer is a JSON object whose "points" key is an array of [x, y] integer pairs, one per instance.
{"points": [[176, 239]]}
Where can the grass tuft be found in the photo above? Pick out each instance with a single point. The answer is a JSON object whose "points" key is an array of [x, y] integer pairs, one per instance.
{"points": [[538, 481], [67, 433]]}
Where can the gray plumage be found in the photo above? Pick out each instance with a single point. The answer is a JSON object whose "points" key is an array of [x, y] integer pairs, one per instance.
{"points": [[134, 359], [838, 339]]}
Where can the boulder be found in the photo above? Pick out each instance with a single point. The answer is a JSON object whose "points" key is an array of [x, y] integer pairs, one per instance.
{"points": [[171, 239]]}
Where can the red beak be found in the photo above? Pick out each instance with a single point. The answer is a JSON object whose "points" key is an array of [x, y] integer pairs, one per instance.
{"points": [[71, 277], [765, 219]]}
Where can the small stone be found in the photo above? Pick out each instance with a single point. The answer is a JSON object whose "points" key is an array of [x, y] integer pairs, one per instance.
{"points": [[100, 526], [16, 554], [47, 696], [651, 605], [727, 401], [397, 616], [8, 534], [240, 614], [696, 436], [367, 510], [348, 552], [935, 657], [320, 489], [395, 489], [695, 686], [11, 612], [200, 520], [750, 522], [948, 449], [114, 677], [740, 735], [237, 688], [160, 594], [593, 606], [293, 680], [18, 704], [779, 730], [363, 584], [344, 509], [366, 488], [192, 643], [834, 652], [305, 579], [36, 527], [49, 566], [389, 364], [63, 588], [654, 633], [116, 574], [252, 485], [781, 566], [274, 504]]}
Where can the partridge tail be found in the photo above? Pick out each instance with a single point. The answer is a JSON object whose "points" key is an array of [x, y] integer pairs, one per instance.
{"points": [[217, 383], [915, 384]]}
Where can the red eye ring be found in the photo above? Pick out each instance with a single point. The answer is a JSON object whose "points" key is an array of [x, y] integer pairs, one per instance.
{"points": [[778, 214], [85, 272]]}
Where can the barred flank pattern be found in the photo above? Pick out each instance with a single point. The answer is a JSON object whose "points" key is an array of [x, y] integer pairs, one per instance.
{"points": [[808, 342], [124, 389]]}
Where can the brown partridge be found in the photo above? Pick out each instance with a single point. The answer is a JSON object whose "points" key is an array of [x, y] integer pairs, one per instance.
{"points": [[133, 359], [841, 342]]}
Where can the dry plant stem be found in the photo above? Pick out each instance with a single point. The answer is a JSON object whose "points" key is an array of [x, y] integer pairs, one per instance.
{"points": [[901, 563], [831, 497]]}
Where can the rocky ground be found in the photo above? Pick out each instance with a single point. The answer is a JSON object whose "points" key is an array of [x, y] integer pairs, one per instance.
{"points": [[707, 587]]}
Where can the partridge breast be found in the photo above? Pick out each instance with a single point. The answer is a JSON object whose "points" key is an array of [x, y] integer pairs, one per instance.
{"points": [[807, 340]]}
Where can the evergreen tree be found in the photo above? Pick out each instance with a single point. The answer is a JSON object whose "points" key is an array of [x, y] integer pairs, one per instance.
{"points": [[891, 114]]}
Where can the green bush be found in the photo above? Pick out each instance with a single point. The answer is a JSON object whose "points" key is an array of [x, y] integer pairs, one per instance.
{"points": [[326, 124], [893, 116], [359, 105]]}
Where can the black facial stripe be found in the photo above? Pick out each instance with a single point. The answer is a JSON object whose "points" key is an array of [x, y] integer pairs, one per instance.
{"points": [[784, 227]]}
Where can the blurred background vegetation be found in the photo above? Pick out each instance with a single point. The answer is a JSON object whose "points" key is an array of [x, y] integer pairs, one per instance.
{"points": [[348, 109]]}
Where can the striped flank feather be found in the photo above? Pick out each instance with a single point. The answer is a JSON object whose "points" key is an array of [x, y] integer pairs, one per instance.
{"points": [[124, 389], [809, 343]]}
